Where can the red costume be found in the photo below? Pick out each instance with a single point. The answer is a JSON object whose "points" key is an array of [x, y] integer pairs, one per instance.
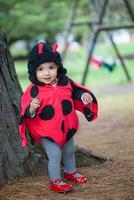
{"points": [[56, 118]]}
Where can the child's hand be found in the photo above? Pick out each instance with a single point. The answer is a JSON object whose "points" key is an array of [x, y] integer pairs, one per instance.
{"points": [[35, 103], [86, 98]]}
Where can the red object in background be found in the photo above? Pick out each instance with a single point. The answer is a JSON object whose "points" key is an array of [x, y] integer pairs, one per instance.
{"points": [[97, 63]]}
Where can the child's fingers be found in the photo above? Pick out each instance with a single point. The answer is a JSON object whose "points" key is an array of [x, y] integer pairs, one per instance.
{"points": [[86, 98], [90, 99], [35, 103], [36, 100]]}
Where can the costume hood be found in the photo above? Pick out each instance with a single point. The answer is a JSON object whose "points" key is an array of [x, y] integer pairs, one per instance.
{"points": [[42, 53]]}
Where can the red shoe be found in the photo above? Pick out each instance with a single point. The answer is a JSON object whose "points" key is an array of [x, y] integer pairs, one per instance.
{"points": [[59, 186], [75, 177]]}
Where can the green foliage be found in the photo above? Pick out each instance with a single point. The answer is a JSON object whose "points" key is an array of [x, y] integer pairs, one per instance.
{"points": [[28, 19]]}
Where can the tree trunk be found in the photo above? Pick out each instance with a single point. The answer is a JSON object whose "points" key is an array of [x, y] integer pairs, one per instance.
{"points": [[12, 155], [15, 161]]}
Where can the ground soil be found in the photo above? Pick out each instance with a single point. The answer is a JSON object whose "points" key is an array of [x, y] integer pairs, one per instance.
{"points": [[111, 135]]}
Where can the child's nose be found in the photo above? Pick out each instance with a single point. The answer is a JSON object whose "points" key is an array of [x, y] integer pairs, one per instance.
{"points": [[46, 72]]}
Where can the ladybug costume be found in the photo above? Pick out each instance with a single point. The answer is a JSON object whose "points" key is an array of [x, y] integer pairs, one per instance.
{"points": [[56, 118]]}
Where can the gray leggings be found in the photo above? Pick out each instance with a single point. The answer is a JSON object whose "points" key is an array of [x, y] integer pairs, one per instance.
{"points": [[55, 153]]}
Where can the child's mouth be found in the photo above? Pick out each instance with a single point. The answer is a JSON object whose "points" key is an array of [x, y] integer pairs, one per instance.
{"points": [[47, 79]]}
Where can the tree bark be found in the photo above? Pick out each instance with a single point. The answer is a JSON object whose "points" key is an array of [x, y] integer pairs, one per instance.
{"points": [[12, 156], [15, 161]]}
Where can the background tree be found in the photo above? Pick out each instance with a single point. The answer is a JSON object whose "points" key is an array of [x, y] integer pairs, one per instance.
{"points": [[26, 20]]}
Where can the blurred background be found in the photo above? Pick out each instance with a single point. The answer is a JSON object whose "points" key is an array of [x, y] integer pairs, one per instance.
{"points": [[27, 22], [96, 41]]}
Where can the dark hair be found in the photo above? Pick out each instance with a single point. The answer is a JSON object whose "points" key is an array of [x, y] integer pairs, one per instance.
{"points": [[42, 53]]}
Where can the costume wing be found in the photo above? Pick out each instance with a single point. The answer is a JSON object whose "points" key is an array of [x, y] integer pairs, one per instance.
{"points": [[90, 110], [25, 101]]}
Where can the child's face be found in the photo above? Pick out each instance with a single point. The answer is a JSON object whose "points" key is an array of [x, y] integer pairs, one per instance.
{"points": [[47, 73]]}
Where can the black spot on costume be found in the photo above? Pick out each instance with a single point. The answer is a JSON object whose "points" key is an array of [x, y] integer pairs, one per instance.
{"points": [[66, 107], [47, 113], [34, 91]]}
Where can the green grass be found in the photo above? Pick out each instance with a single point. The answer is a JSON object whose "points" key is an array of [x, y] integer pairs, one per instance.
{"points": [[75, 64]]}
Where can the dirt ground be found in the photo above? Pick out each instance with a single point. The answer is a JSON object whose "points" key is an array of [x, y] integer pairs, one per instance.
{"points": [[111, 135]]}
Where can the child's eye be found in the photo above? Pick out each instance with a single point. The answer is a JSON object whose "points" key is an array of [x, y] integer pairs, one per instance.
{"points": [[39, 69], [52, 67]]}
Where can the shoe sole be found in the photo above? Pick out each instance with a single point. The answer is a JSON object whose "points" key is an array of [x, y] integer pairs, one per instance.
{"points": [[69, 190], [75, 181]]}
